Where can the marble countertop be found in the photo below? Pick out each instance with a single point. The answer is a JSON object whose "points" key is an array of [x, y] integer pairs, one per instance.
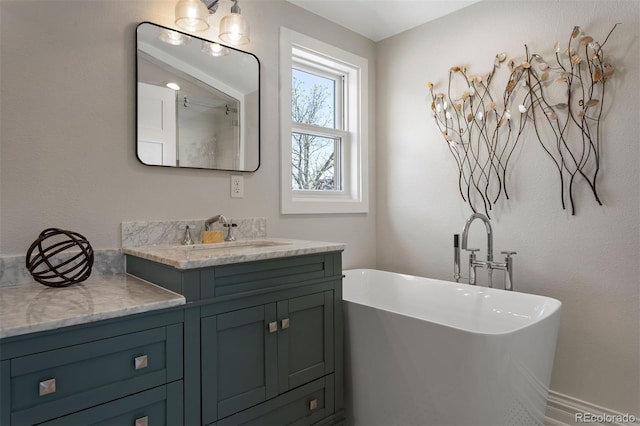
{"points": [[203, 255], [32, 307]]}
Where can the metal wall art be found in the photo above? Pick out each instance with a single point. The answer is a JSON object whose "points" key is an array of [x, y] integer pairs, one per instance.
{"points": [[560, 101]]}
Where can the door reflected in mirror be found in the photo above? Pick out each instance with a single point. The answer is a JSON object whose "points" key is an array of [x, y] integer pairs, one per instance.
{"points": [[198, 102]]}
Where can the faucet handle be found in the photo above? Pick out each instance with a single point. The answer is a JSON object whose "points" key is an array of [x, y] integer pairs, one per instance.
{"points": [[508, 254], [187, 241], [472, 254], [230, 225]]}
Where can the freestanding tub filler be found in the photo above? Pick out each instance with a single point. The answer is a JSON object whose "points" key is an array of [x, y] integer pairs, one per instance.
{"points": [[423, 352]]}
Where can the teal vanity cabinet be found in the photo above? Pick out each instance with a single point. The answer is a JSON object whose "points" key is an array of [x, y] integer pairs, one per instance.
{"points": [[260, 352], [124, 371], [263, 339]]}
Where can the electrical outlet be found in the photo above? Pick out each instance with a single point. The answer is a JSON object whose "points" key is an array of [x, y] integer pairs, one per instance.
{"points": [[237, 186]]}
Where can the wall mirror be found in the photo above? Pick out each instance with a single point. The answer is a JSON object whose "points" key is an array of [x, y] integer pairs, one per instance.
{"points": [[198, 102]]}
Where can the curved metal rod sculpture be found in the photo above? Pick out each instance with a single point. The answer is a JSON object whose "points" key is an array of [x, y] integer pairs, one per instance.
{"points": [[558, 100]]}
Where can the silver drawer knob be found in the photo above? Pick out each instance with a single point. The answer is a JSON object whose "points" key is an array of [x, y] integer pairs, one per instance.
{"points": [[47, 386], [141, 362], [273, 327], [142, 421], [285, 323], [313, 404]]}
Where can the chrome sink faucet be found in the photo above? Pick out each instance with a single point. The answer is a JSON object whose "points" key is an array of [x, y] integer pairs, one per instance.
{"points": [[217, 218], [489, 264], [225, 222]]}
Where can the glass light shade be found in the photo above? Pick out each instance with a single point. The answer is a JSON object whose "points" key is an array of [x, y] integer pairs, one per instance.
{"points": [[173, 85], [173, 37], [234, 29], [214, 49], [192, 15]]}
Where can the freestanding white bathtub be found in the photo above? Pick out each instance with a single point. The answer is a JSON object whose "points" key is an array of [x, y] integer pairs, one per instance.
{"points": [[424, 352]]}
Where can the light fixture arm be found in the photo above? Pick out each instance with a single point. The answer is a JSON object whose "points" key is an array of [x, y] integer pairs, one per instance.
{"points": [[235, 8], [211, 5]]}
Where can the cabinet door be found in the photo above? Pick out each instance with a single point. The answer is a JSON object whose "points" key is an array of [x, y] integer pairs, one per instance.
{"points": [[239, 361], [305, 339]]}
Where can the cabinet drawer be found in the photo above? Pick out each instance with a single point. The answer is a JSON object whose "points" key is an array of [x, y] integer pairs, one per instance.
{"points": [[57, 382], [156, 407], [254, 276], [305, 405]]}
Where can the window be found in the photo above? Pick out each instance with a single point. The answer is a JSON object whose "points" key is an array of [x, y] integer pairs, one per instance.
{"points": [[323, 108], [316, 129]]}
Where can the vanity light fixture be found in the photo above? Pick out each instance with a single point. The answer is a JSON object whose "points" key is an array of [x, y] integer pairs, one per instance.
{"points": [[214, 49], [193, 15], [172, 85], [173, 37], [234, 29]]}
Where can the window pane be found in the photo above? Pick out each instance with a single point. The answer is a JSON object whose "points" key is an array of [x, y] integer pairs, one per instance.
{"points": [[313, 99], [314, 160]]}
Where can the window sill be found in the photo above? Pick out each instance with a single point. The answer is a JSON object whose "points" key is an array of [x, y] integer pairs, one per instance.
{"points": [[323, 205]]}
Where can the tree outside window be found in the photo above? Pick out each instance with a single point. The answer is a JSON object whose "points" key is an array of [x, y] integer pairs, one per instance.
{"points": [[314, 156]]}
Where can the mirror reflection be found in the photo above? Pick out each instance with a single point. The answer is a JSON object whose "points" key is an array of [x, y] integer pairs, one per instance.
{"points": [[198, 102]]}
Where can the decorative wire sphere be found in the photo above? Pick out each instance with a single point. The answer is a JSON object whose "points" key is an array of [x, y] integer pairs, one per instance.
{"points": [[48, 264]]}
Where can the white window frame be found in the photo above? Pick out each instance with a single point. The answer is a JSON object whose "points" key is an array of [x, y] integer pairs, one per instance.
{"points": [[353, 195]]}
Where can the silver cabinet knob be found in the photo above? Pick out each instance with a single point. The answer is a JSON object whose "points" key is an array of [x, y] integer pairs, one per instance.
{"points": [[273, 327], [141, 362], [285, 323], [142, 421], [47, 386], [313, 404]]}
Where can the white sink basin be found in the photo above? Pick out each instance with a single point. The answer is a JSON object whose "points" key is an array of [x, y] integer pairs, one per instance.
{"points": [[248, 244]]}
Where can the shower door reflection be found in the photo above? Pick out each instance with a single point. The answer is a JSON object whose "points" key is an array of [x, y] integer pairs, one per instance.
{"points": [[203, 123]]}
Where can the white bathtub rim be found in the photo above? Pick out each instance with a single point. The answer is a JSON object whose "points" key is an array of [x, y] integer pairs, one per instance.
{"points": [[553, 308]]}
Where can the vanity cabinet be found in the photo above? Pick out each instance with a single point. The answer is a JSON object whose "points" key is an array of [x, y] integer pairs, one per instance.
{"points": [[125, 371], [263, 339], [254, 354]]}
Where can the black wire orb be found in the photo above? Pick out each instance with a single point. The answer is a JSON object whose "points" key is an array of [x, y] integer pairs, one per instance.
{"points": [[48, 264]]}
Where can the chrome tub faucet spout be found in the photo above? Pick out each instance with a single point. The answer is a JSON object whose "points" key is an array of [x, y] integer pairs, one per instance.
{"points": [[487, 224], [461, 243]]}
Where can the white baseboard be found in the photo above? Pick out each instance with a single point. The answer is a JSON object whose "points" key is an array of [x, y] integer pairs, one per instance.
{"points": [[564, 410]]}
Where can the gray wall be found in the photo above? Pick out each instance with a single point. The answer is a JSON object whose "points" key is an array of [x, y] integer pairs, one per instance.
{"points": [[67, 159], [589, 261], [68, 127]]}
